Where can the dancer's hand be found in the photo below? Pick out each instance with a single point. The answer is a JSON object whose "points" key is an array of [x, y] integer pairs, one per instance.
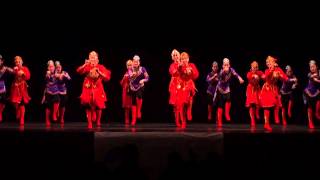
{"points": [[141, 82], [241, 80]]}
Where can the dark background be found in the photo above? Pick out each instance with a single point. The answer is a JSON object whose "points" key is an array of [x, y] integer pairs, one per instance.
{"points": [[208, 32]]}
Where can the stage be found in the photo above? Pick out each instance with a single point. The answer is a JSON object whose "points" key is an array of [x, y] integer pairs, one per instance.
{"points": [[158, 151]]}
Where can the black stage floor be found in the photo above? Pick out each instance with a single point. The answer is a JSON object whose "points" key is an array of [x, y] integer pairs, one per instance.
{"points": [[158, 151]]}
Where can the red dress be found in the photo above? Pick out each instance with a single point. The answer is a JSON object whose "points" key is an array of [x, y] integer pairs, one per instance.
{"points": [[253, 88], [92, 90], [186, 87], [126, 98], [19, 87], [270, 95], [173, 85]]}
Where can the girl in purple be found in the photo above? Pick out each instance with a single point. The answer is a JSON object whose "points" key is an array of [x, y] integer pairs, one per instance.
{"points": [[286, 91], [3, 91], [51, 96], [311, 92], [62, 78], [138, 75], [212, 80], [222, 96]]}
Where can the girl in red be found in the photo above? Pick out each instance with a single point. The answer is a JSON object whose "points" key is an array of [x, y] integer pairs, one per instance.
{"points": [[126, 98], [186, 88], [93, 96], [270, 96], [174, 84], [19, 89], [253, 92]]}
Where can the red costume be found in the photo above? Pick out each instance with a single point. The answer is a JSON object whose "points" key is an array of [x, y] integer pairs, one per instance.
{"points": [[186, 86], [126, 98], [253, 94], [93, 93], [182, 89], [270, 95], [19, 91], [253, 88], [19, 87], [173, 86]]}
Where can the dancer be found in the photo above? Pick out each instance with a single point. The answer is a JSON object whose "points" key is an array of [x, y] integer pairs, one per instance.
{"points": [[19, 96], [253, 92], [93, 96], [311, 93], [62, 78], [4, 70], [270, 96], [286, 91], [126, 98], [174, 84], [212, 80], [51, 97], [138, 75], [223, 93], [186, 88]]}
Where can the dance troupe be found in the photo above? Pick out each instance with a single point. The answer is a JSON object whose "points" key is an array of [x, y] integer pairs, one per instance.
{"points": [[182, 89]]}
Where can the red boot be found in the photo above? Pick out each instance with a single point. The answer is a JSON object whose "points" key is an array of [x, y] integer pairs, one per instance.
{"points": [[318, 110], [183, 119], [93, 115], [134, 115], [18, 112], [283, 113], [139, 105], [209, 112], [290, 109], [227, 111], [219, 117], [1, 110], [252, 114], [266, 120], [47, 117], [99, 113], [310, 118], [61, 114], [126, 116], [55, 111], [22, 113], [257, 112], [276, 115], [189, 110], [89, 118], [177, 117]]}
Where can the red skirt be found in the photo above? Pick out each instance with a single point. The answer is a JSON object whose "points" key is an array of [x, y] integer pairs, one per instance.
{"points": [[270, 96], [126, 98], [93, 97], [19, 93], [252, 94]]}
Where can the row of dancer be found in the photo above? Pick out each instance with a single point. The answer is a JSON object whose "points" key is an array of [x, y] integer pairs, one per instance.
{"points": [[267, 97], [182, 90]]}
